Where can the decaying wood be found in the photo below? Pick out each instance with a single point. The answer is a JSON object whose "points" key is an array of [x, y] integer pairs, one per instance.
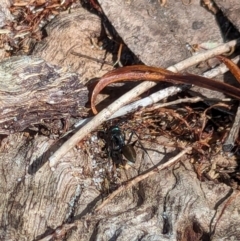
{"points": [[38, 204], [34, 200], [34, 92], [140, 178], [79, 32]]}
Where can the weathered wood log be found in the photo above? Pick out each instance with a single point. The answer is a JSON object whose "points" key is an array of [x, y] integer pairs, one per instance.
{"points": [[79, 31], [33, 91], [37, 204], [34, 201]]}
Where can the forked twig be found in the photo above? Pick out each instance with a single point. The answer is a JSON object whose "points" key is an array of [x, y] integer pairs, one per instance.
{"points": [[147, 101], [107, 112], [223, 48], [162, 94], [139, 178], [204, 117], [221, 69]]}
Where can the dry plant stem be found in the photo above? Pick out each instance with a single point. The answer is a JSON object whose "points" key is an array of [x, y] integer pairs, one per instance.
{"points": [[90, 58], [232, 67], [147, 101], [161, 94], [139, 178], [106, 113], [233, 134], [176, 102], [142, 72], [184, 100], [221, 69], [148, 73], [204, 56], [150, 100], [205, 114], [119, 56]]}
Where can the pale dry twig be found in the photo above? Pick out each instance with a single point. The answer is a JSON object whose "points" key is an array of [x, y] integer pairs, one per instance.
{"points": [[139, 178]]}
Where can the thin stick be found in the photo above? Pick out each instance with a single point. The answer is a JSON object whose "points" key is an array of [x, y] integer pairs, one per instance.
{"points": [[107, 112], [139, 178], [223, 48], [204, 116], [221, 69], [176, 102], [233, 134], [119, 56], [151, 99], [90, 58], [162, 94]]}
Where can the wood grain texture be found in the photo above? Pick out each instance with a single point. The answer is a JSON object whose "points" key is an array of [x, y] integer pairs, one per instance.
{"points": [[34, 201], [75, 32], [32, 91], [158, 35], [37, 204], [173, 204]]}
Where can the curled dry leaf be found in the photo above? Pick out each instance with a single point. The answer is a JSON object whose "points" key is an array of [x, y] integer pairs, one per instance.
{"points": [[142, 72], [234, 69]]}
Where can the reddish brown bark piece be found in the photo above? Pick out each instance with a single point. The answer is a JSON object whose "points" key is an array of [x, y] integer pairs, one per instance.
{"points": [[234, 69]]}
